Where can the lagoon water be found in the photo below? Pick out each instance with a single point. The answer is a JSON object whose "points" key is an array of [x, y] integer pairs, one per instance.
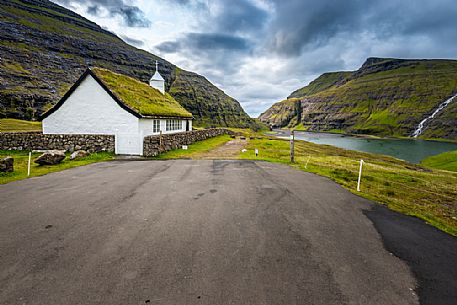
{"points": [[412, 150]]}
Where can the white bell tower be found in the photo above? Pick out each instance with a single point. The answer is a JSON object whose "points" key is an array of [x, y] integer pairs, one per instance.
{"points": [[157, 80]]}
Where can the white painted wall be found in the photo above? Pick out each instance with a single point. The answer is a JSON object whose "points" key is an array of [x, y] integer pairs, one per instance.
{"points": [[145, 125], [158, 84], [90, 110]]}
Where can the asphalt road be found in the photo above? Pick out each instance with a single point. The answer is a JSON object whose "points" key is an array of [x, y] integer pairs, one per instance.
{"points": [[207, 232]]}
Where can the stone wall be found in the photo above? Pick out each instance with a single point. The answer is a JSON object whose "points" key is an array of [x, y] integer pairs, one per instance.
{"points": [[153, 145], [68, 142]]}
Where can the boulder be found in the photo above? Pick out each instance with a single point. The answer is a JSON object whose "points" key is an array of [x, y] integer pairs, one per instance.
{"points": [[78, 154], [7, 165], [51, 157]]}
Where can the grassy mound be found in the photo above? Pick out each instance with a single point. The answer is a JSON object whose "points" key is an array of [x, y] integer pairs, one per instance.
{"points": [[445, 161]]}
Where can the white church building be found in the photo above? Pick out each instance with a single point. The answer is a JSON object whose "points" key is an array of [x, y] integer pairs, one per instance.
{"points": [[104, 102]]}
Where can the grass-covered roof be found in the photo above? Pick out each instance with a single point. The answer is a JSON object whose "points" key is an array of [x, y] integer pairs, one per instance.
{"points": [[139, 96]]}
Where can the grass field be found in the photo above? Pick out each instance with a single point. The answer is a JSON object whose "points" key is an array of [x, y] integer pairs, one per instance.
{"points": [[445, 161], [195, 149], [21, 161], [12, 125]]}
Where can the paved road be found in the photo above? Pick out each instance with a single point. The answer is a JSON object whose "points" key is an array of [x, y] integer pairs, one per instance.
{"points": [[196, 232]]}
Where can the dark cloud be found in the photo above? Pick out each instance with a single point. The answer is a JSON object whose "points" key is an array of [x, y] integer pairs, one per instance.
{"points": [[206, 42], [212, 41], [93, 10], [240, 16], [169, 47], [132, 15], [132, 41], [304, 24]]}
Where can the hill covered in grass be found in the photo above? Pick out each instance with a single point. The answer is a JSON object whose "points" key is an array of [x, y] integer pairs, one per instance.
{"points": [[44, 48], [14, 125], [386, 97]]}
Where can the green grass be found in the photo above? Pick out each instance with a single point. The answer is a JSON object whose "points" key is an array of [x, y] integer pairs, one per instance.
{"points": [[140, 96], [445, 161], [321, 83], [195, 148], [12, 125], [15, 67], [407, 188], [21, 161]]}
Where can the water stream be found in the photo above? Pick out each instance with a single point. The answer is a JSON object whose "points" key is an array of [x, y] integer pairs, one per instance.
{"points": [[412, 150], [421, 125]]}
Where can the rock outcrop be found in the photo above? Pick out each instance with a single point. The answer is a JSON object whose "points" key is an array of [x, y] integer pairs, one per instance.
{"points": [[51, 157], [78, 154], [7, 165]]}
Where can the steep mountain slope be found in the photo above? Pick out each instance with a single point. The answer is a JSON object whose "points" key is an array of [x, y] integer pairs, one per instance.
{"points": [[44, 48], [384, 97]]}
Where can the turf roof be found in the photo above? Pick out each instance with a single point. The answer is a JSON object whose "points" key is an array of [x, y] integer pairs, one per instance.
{"points": [[139, 96]]}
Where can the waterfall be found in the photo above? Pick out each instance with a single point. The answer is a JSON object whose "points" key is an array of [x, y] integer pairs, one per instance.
{"points": [[421, 125]]}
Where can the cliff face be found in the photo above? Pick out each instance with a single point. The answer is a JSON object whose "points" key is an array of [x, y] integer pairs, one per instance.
{"points": [[44, 48], [386, 97]]}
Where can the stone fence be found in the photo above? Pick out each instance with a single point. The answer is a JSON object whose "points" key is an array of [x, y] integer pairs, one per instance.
{"points": [[153, 145], [68, 142]]}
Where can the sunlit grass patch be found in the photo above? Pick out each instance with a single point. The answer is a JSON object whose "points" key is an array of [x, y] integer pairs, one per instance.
{"points": [[196, 148], [21, 164]]}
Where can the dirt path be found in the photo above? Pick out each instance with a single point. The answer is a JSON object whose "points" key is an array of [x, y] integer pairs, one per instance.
{"points": [[229, 150]]}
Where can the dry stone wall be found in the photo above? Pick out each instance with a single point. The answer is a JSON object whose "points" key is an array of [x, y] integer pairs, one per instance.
{"points": [[68, 142], [154, 145]]}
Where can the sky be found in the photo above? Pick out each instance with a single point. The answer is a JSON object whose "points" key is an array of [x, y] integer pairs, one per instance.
{"points": [[259, 51]]}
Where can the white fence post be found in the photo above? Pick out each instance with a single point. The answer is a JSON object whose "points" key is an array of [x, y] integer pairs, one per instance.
{"points": [[360, 175], [292, 149], [28, 166], [306, 165]]}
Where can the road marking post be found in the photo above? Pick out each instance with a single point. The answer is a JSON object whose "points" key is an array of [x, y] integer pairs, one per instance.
{"points": [[256, 151], [28, 166], [360, 175], [292, 152]]}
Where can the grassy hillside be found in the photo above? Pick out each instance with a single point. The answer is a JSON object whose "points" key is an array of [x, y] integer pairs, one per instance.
{"points": [[12, 125], [445, 161], [321, 83], [44, 48], [386, 97]]}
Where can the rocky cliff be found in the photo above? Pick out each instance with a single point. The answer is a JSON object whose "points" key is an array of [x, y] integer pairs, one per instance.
{"points": [[44, 48], [387, 97]]}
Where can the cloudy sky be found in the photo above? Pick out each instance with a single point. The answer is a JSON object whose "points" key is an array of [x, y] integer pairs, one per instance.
{"points": [[259, 51]]}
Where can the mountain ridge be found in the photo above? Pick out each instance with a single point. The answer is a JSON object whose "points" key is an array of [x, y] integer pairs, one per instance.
{"points": [[45, 48], [385, 96]]}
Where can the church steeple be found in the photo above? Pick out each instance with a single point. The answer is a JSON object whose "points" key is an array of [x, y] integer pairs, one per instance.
{"points": [[157, 80]]}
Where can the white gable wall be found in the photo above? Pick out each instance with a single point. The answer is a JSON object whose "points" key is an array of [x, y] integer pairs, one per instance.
{"points": [[90, 110]]}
